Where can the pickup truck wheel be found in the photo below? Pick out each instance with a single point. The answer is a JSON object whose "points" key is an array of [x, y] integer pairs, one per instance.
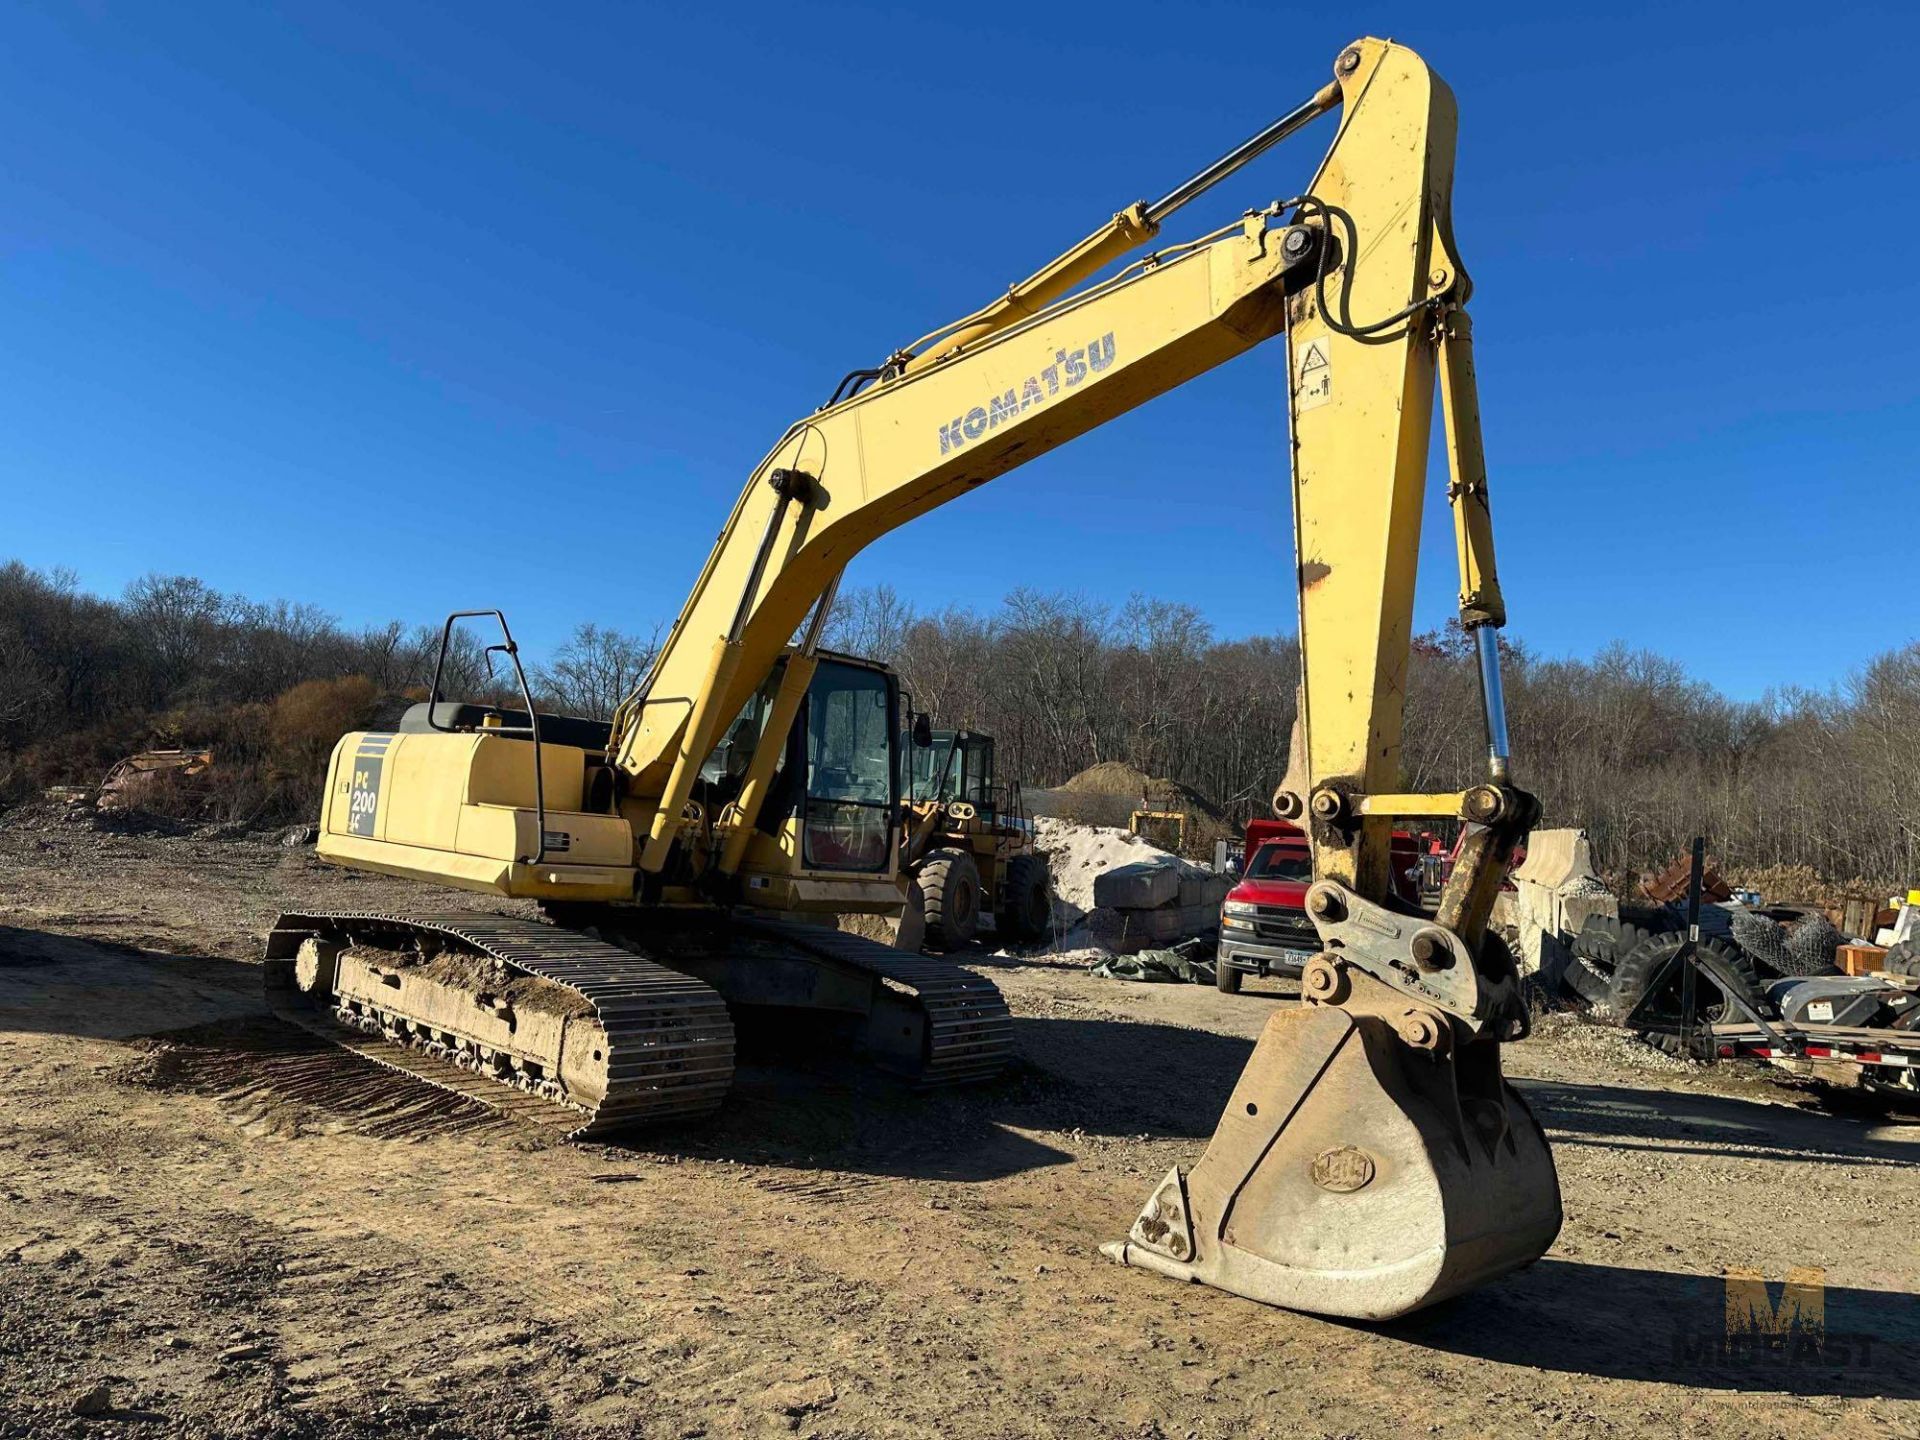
{"points": [[1028, 911], [1226, 979], [949, 884]]}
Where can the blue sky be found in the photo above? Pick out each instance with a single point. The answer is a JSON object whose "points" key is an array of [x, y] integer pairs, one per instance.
{"points": [[402, 308]]}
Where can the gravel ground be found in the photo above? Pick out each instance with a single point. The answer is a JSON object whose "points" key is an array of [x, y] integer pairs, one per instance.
{"points": [[213, 1225]]}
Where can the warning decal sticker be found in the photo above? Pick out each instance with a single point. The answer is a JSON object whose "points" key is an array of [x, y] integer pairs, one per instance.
{"points": [[1313, 382]]}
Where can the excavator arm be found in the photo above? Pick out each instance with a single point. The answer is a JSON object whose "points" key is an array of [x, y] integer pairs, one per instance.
{"points": [[1371, 238]]}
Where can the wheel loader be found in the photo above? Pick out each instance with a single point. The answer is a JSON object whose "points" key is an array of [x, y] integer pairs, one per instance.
{"points": [[968, 846], [1372, 1158]]}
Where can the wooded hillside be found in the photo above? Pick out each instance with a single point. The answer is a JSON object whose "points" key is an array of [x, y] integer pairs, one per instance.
{"points": [[1625, 743]]}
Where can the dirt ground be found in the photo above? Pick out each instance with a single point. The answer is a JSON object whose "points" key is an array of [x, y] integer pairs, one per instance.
{"points": [[237, 1230]]}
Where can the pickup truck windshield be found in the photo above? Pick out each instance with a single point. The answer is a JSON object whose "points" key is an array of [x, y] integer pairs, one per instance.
{"points": [[1275, 861]]}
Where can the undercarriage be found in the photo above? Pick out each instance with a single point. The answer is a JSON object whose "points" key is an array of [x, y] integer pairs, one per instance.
{"points": [[612, 1020]]}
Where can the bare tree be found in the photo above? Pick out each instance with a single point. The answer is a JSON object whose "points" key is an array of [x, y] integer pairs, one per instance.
{"points": [[594, 670], [1626, 743], [872, 622]]}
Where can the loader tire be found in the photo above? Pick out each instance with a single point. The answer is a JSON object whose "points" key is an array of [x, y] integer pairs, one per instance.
{"points": [[1654, 919], [949, 884], [1604, 941], [1026, 913], [1583, 979], [1636, 971]]}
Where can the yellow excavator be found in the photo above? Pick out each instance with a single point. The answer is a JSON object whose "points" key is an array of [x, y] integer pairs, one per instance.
{"points": [[1372, 1158]]}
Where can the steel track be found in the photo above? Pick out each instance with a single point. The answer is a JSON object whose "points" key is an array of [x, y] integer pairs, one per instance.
{"points": [[669, 1038]]}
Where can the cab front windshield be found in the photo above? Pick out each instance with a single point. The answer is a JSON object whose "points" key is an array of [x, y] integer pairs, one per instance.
{"points": [[1280, 862], [850, 795], [957, 765], [929, 766]]}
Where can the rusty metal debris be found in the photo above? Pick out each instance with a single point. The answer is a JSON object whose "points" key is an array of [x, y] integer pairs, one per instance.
{"points": [[138, 779]]}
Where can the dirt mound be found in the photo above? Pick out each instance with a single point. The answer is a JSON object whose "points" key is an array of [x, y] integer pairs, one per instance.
{"points": [[1116, 777]]}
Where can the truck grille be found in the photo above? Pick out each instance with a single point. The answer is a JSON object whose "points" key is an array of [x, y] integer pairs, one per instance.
{"points": [[1280, 926]]}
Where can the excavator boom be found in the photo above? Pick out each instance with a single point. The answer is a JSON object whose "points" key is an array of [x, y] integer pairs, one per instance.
{"points": [[843, 477]]}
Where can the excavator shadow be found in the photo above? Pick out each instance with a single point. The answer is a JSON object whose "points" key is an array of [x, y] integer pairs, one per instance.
{"points": [[53, 984], [202, 1026], [835, 1118], [1123, 1077], [1679, 1122], [1618, 1323], [794, 1103], [793, 1107]]}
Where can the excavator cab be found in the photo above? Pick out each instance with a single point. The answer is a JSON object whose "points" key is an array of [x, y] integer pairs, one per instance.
{"points": [[843, 751], [954, 765], [523, 803]]}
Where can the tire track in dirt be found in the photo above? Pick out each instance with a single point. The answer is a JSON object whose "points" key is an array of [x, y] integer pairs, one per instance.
{"points": [[271, 1079]]}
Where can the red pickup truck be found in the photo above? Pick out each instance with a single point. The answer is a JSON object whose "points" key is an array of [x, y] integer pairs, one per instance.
{"points": [[1264, 929]]}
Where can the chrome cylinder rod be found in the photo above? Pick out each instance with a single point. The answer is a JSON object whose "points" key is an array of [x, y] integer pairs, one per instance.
{"points": [[822, 609], [1493, 701], [1243, 153]]}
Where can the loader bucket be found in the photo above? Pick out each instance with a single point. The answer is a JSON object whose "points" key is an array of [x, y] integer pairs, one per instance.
{"points": [[1354, 1175]]}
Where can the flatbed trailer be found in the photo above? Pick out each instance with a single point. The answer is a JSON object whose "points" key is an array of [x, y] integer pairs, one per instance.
{"points": [[1886, 1060]]}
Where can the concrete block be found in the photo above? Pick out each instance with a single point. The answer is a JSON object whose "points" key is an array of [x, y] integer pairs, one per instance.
{"points": [[1204, 918], [1555, 856], [1542, 953], [1575, 910], [1200, 889], [1143, 885], [1506, 911], [1164, 926]]}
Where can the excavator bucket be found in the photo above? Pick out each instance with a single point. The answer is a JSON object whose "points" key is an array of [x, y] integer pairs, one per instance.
{"points": [[1355, 1175]]}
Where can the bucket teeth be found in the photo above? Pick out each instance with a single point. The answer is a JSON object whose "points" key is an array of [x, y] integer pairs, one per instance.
{"points": [[1166, 1224]]}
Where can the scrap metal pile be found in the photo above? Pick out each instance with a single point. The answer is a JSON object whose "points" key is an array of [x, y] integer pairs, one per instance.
{"points": [[1804, 994]]}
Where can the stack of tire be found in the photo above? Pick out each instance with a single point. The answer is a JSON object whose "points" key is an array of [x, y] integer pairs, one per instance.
{"points": [[1903, 959], [1606, 940], [1616, 959]]}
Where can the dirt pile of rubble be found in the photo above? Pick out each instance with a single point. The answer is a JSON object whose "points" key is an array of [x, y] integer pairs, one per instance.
{"points": [[1116, 777]]}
